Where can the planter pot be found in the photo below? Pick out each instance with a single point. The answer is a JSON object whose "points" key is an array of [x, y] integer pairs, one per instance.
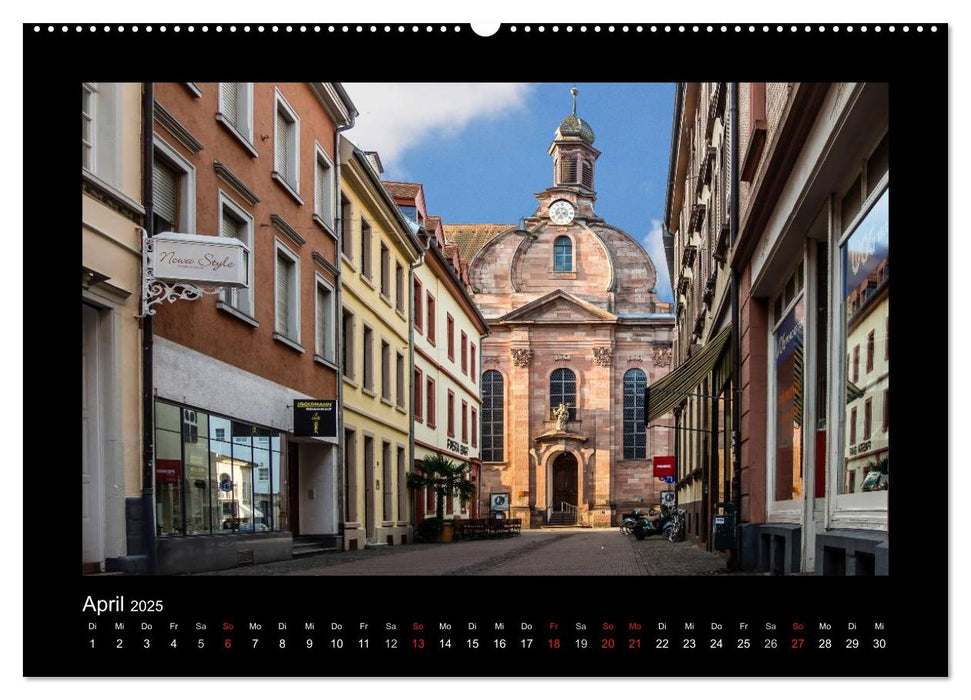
{"points": [[446, 534]]}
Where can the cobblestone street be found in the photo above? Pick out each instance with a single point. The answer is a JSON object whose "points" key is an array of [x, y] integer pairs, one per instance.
{"points": [[567, 552]]}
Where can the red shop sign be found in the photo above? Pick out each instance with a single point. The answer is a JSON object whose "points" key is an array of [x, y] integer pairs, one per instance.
{"points": [[664, 466]]}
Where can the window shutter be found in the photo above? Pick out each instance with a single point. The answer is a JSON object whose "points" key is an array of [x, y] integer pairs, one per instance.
{"points": [[322, 191], [230, 101], [587, 175], [283, 295], [165, 183], [282, 139], [231, 228], [321, 316]]}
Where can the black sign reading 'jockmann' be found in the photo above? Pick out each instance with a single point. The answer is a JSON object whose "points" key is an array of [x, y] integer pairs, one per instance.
{"points": [[315, 418]]}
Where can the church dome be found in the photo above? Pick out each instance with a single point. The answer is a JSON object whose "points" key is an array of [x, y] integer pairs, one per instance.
{"points": [[574, 127]]}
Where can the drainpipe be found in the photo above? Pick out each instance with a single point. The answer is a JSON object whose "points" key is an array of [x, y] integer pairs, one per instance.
{"points": [[148, 383], [736, 326], [411, 367], [339, 313]]}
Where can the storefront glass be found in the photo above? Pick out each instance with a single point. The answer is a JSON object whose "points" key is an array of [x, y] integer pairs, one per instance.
{"points": [[866, 300], [216, 476], [788, 350]]}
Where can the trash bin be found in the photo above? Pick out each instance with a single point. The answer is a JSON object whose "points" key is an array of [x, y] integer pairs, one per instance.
{"points": [[724, 526]]}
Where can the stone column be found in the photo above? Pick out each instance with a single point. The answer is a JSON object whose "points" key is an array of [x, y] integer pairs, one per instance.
{"points": [[518, 425]]}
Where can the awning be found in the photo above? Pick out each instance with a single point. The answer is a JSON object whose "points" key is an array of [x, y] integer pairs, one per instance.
{"points": [[673, 388]]}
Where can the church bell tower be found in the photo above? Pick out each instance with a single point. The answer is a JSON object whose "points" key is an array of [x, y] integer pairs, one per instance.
{"points": [[573, 152]]}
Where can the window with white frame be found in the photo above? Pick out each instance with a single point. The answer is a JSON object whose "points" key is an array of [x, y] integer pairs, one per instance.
{"points": [[236, 108], [385, 370], [101, 124], [236, 222], [286, 142], [400, 377], [89, 97], [324, 328], [287, 293], [173, 190], [385, 271], [324, 188]]}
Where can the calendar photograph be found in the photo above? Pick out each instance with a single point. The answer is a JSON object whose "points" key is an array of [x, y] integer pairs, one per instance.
{"points": [[502, 332], [572, 367]]}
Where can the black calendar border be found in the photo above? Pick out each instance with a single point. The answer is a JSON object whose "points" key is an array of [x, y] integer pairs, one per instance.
{"points": [[913, 600]]}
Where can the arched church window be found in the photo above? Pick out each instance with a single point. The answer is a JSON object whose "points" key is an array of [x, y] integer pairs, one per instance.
{"points": [[563, 389], [635, 434], [492, 416], [562, 254]]}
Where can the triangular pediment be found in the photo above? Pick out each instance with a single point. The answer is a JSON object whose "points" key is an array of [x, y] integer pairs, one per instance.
{"points": [[558, 307]]}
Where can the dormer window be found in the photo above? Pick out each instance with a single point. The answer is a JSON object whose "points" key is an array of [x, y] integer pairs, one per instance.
{"points": [[563, 254]]}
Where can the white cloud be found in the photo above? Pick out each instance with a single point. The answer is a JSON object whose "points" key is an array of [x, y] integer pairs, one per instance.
{"points": [[654, 245], [397, 116]]}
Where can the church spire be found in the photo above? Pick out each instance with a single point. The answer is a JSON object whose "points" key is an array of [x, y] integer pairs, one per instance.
{"points": [[573, 152]]}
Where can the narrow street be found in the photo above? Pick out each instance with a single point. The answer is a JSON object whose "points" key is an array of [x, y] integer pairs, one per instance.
{"points": [[567, 552]]}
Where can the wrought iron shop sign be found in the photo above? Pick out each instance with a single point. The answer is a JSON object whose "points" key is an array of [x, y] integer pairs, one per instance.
{"points": [[315, 418], [185, 266]]}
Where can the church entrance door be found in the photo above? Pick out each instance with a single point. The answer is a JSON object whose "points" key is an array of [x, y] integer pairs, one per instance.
{"points": [[564, 496]]}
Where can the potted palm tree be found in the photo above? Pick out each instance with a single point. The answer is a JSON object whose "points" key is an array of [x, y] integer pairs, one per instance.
{"points": [[448, 479]]}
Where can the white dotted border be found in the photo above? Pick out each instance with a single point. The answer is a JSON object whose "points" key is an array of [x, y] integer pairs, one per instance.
{"points": [[401, 28]]}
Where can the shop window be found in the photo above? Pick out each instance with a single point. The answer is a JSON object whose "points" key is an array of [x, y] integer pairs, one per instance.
{"points": [[788, 401], [215, 475], [865, 286]]}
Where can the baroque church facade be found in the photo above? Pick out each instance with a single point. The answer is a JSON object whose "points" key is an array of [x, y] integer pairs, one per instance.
{"points": [[576, 333]]}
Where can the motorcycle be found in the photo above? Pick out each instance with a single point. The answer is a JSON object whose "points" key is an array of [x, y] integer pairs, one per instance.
{"points": [[647, 526], [628, 522]]}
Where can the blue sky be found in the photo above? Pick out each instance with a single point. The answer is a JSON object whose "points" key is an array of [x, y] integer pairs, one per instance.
{"points": [[480, 150]]}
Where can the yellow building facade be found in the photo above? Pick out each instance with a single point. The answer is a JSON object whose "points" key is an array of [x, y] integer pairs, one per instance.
{"points": [[378, 254], [111, 217]]}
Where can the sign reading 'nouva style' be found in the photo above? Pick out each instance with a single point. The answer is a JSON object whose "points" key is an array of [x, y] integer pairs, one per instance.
{"points": [[315, 418], [208, 260]]}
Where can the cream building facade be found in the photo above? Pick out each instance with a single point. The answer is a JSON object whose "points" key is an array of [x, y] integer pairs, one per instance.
{"points": [[378, 254], [111, 217], [448, 332]]}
